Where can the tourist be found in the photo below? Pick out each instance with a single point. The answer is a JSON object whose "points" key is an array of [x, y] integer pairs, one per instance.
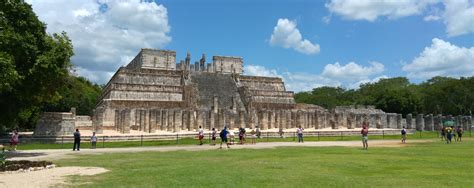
{"points": [[242, 135], [213, 135], [258, 132], [231, 137], [93, 140], [365, 137], [443, 134], [460, 131], [254, 136], [299, 131], [223, 136], [14, 140], [454, 130], [449, 134], [200, 135], [280, 132], [404, 135], [77, 140]]}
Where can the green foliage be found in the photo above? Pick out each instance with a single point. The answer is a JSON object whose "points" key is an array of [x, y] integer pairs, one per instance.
{"points": [[33, 64], [439, 95], [3, 159], [77, 92]]}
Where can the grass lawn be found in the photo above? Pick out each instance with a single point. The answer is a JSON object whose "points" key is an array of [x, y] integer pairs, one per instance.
{"points": [[191, 141], [432, 164]]}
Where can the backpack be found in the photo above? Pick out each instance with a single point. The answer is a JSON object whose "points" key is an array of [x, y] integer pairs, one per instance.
{"points": [[222, 134], [403, 131]]}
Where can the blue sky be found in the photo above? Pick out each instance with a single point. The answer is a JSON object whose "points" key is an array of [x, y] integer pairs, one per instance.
{"points": [[307, 43]]}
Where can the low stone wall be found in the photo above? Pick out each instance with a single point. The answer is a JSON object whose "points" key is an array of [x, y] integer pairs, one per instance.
{"points": [[56, 124]]}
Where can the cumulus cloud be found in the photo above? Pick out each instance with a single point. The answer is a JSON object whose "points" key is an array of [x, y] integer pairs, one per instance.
{"points": [[459, 17], [442, 59], [286, 35], [370, 10], [105, 34], [349, 76], [352, 71]]}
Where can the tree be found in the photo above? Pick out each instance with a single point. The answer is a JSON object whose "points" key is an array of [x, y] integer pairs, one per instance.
{"points": [[33, 64]]}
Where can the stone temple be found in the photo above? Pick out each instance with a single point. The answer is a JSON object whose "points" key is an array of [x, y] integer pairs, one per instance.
{"points": [[154, 93]]}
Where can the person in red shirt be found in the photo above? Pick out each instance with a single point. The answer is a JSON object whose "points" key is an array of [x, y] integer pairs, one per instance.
{"points": [[365, 132]]}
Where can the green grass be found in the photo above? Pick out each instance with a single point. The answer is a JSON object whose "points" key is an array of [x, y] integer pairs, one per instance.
{"points": [[191, 141], [432, 164]]}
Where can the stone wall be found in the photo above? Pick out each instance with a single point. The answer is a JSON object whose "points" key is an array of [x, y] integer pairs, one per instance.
{"points": [[55, 124]]}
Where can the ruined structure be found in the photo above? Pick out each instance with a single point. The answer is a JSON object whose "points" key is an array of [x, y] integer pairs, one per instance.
{"points": [[154, 93]]}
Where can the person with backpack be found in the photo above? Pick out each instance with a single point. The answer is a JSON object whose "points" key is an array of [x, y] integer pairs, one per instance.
{"points": [[365, 138], [404, 135], [223, 136], [242, 135]]}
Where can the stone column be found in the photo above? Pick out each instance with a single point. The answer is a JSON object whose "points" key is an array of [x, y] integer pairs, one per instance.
{"points": [[288, 119], [170, 127], [373, 121], [399, 121], [164, 120], [127, 121], [351, 121], [158, 120], [264, 121], [378, 121], [420, 122], [358, 120], [152, 121], [429, 124], [177, 120], [383, 121], [271, 120], [408, 119], [212, 119], [242, 119], [438, 122]]}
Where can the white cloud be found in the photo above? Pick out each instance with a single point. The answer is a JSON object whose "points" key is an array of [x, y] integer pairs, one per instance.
{"points": [[286, 35], [352, 71], [370, 10], [442, 59], [105, 34], [459, 17], [431, 18], [348, 76]]}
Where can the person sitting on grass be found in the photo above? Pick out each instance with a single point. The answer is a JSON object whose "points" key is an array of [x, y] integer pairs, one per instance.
{"points": [[223, 136]]}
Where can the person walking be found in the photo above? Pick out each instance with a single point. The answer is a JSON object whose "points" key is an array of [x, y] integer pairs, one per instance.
{"points": [[449, 135], [404, 135], [281, 133], [254, 136], [14, 140], [365, 138], [242, 136], [299, 131], [213, 135], [223, 136], [200, 135], [77, 140], [460, 133], [93, 141]]}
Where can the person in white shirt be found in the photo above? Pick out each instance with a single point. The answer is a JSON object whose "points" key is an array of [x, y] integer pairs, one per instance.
{"points": [[200, 135], [299, 131], [93, 141]]}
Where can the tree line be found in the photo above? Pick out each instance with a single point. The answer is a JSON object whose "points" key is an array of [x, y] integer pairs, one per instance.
{"points": [[438, 95], [35, 70]]}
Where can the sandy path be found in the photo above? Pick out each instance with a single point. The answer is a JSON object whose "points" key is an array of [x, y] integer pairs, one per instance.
{"points": [[46, 178], [55, 154]]}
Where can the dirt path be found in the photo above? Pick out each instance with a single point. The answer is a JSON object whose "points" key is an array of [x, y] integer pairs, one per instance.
{"points": [[47, 177], [55, 154]]}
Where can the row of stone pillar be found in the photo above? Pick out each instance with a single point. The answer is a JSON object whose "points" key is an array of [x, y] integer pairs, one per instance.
{"points": [[173, 120]]}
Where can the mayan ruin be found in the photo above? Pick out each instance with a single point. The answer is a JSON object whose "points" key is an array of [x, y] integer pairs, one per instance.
{"points": [[154, 93]]}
